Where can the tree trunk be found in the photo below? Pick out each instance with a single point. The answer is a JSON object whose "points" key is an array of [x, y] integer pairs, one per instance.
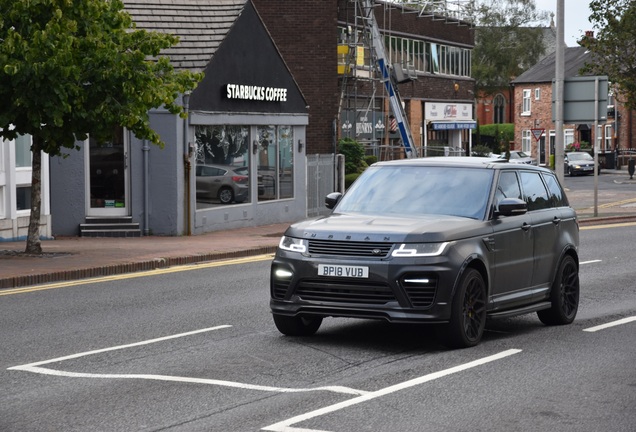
{"points": [[33, 245]]}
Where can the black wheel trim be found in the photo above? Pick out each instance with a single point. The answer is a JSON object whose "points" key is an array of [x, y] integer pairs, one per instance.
{"points": [[474, 309], [569, 289]]}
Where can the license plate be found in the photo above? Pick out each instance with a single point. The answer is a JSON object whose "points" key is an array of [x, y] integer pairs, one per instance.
{"points": [[343, 271]]}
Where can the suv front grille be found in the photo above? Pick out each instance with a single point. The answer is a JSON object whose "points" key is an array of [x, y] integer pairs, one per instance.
{"points": [[350, 248], [344, 292]]}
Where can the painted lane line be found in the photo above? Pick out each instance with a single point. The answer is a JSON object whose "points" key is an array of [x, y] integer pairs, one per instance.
{"points": [[285, 426], [617, 225], [590, 262], [119, 347], [610, 324], [170, 378], [156, 272], [34, 368]]}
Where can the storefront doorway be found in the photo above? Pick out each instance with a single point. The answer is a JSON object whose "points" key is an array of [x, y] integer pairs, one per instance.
{"points": [[108, 177]]}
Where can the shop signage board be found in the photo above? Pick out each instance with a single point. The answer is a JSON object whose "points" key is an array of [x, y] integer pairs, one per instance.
{"points": [[362, 125]]}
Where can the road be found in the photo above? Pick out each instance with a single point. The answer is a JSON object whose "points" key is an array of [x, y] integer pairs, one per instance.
{"points": [[194, 349]]}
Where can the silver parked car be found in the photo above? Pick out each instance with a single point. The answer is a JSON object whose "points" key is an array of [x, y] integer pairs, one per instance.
{"points": [[519, 157], [444, 241], [221, 182]]}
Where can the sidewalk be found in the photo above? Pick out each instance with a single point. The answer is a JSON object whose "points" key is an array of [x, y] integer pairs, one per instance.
{"points": [[72, 258]]}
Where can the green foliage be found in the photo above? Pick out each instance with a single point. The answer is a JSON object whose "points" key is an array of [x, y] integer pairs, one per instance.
{"points": [[74, 68], [505, 45], [498, 135], [350, 178], [370, 159], [353, 152], [481, 150], [615, 24]]}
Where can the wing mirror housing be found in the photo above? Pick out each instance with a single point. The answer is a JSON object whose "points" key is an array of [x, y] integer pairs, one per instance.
{"points": [[332, 199], [511, 207]]}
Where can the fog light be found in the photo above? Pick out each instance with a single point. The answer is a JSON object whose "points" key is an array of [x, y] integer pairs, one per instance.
{"points": [[283, 274]]}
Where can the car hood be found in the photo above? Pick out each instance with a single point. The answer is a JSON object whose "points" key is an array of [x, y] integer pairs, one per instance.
{"points": [[352, 227]]}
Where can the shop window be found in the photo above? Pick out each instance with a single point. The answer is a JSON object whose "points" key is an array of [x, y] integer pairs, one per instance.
{"points": [[23, 151], [275, 162], [23, 198], [222, 165]]}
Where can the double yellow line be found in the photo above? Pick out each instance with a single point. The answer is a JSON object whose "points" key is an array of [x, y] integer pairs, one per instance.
{"points": [[155, 272]]}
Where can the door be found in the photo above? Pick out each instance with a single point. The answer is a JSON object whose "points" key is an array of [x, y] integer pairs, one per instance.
{"points": [[542, 155], [107, 181]]}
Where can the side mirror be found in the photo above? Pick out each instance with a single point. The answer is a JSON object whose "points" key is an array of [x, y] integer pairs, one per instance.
{"points": [[511, 207], [332, 199]]}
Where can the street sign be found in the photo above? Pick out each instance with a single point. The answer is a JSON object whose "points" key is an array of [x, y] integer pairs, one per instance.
{"points": [[582, 101], [537, 133]]}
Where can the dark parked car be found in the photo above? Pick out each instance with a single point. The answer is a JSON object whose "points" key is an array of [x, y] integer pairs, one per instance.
{"points": [[579, 163], [446, 241], [221, 182]]}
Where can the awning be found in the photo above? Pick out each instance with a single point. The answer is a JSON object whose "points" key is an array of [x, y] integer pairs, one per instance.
{"points": [[450, 125]]}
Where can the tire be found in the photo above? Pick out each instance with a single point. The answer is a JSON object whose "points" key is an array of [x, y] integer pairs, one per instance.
{"points": [[570, 173], [297, 325], [225, 195], [564, 295], [468, 313]]}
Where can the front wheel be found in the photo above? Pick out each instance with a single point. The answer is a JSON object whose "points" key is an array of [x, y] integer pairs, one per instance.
{"points": [[226, 195], [297, 325], [468, 313], [564, 295]]}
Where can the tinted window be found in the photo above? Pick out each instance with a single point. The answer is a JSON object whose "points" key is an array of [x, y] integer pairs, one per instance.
{"points": [[534, 190], [508, 187], [419, 190], [557, 197]]}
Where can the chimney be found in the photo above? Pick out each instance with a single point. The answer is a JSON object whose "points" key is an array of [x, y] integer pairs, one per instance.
{"points": [[589, 34]]}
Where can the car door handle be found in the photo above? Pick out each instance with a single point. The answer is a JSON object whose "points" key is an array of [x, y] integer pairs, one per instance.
{"points": [[556, 220], [525, 226]]}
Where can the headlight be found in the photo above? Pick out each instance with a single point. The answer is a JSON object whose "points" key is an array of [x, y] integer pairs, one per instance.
{"points": [[293, 244], [419, 249]]}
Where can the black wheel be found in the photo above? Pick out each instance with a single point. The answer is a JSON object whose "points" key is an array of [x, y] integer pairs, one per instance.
{"points": [[570, 173], [297, 325], [226, 195], [468, 313], [564, 295]]}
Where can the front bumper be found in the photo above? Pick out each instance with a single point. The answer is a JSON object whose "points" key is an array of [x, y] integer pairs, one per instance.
{"points": [[396, 289]]}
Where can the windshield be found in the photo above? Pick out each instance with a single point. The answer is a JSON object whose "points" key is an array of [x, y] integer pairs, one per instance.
{"points": [[579, 156], [419, 190]]}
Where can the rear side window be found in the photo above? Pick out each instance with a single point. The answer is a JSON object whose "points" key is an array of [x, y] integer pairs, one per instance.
{"points": [[534, 191], [557, 197]]}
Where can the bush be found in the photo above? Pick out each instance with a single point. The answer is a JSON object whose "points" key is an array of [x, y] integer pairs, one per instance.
{"points": [[495, 135], [482, 150], [353, 152], [350, 178], [370, 159]]}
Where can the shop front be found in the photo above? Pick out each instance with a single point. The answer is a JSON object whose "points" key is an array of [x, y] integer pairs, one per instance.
{"points": [[448, 128]]}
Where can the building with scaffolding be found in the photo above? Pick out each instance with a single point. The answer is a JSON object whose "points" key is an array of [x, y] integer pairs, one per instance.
{"points": [[429, 46]]}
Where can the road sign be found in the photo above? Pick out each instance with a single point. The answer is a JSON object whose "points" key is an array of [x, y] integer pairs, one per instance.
{"points": [[537, 133]]}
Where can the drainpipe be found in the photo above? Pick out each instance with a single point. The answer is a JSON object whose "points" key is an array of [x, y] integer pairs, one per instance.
{"points": [[186, 163], [146, 149]]}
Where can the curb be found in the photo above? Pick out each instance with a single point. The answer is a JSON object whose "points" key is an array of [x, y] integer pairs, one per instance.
{"points": [[134, 267]]}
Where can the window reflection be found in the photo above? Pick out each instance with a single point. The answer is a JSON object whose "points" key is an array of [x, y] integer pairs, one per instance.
{"points": [[222, 165], [275, 162]]}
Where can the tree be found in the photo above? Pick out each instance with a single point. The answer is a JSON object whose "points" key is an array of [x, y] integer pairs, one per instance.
{"points": [[73, 68], [504, 44], [614, 22]]}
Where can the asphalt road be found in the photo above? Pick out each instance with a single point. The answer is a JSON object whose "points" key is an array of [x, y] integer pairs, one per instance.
{"points": [[196, 350]]}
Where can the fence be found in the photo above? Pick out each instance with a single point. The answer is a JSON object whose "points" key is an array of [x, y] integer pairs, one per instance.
{"points": [[321, 180]]}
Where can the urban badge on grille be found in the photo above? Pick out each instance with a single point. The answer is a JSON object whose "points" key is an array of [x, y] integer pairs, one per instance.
{"points": [[443, 241]]}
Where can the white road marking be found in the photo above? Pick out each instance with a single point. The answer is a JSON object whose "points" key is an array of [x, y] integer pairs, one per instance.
{"points": [[285, 426], [590, 262], [610, 324], [35, 368]]}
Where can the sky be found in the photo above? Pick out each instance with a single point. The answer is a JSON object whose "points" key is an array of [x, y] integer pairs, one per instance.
{"points": [[576, 18]]}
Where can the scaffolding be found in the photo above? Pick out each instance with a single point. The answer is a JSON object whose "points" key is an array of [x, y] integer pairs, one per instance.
{"points": [[360, 76]]}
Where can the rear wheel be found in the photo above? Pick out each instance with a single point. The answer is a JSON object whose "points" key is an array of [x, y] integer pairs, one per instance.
{"points": [[226, 195], [468, 315], [297, 325], [564, 295]]}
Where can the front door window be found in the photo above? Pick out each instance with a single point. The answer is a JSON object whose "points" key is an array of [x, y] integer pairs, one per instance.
{"points": [[108, 177]]}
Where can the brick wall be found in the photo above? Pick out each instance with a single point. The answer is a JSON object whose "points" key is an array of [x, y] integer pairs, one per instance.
{"points": [[305, 32]]}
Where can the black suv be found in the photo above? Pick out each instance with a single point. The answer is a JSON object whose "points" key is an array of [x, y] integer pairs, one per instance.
{"points": [[448, 241]]}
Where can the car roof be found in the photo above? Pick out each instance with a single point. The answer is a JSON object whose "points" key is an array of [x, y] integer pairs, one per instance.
{"points": [[461, 162]]}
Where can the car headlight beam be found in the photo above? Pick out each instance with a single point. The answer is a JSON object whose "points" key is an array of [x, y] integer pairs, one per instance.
{"points": [[420, 249]]}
